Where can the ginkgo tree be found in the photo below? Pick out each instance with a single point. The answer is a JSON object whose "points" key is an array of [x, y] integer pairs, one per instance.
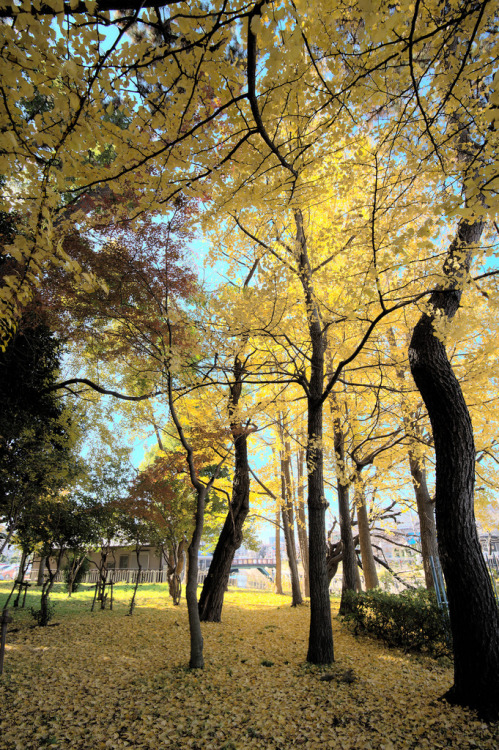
{"points": [[262, 105]]}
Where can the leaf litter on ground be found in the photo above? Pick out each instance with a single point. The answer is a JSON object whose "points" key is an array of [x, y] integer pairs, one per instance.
{"points": [[104, 680]]}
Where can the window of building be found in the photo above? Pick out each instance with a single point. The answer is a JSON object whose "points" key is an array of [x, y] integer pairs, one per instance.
{"points": [[123, 562]]}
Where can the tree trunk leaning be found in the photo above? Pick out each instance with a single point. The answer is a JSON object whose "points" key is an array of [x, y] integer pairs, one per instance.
{"points": [[473, 610], [231, 537]]}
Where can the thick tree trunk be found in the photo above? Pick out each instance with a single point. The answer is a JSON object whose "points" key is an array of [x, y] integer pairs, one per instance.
{"points": [[231, 537], [473, 609], [366, 550], [301, 523], [349, 559], [278, 563], [320, 644], [426, 514]]}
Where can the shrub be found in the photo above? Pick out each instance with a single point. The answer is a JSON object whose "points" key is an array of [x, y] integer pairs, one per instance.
{"points": [[411, 620], [43, 616]]}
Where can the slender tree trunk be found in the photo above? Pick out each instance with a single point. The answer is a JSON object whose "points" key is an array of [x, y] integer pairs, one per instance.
{"points": [[278, 562], [6, 539], [231, 537], [47, 588], [137, 581], [320, 641], [73, 572], [20, 577], [349, 558], [196, 658], [41, 572], [426, 514], [301, 523], [366, 550], [473, 609], [288, 525]]}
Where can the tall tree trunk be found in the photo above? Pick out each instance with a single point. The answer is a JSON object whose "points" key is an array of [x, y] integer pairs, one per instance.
{"points": [[426, 514], [320, 641], [349, 558], [278, 562], [231, 537], [366, 550], [473, 610], [320, 644], [191, 590], [301, 524], [137, 581], [288, 525]]}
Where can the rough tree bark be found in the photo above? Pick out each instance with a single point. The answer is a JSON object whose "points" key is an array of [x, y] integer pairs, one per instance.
{"points": [[175, 565], [231, 536], [320, 643], [473, 610], [334, 557], [366, 549]]}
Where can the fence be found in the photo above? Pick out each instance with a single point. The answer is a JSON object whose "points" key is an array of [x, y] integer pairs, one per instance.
{"points": [[121, 576]]}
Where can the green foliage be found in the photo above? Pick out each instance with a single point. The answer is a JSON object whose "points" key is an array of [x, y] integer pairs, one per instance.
{"points": [[82, 570], [411, 620], [38, 434]]}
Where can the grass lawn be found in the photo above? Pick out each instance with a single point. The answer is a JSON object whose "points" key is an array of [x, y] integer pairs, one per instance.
{"points": [[102, 680]]}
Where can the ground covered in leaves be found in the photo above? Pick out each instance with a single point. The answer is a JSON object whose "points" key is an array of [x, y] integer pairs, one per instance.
{"points": [[105, 680]]}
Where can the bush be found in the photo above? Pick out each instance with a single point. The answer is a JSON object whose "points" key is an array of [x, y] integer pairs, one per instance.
{"points": [[42, 617], [411, 620], [80, 574]]}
